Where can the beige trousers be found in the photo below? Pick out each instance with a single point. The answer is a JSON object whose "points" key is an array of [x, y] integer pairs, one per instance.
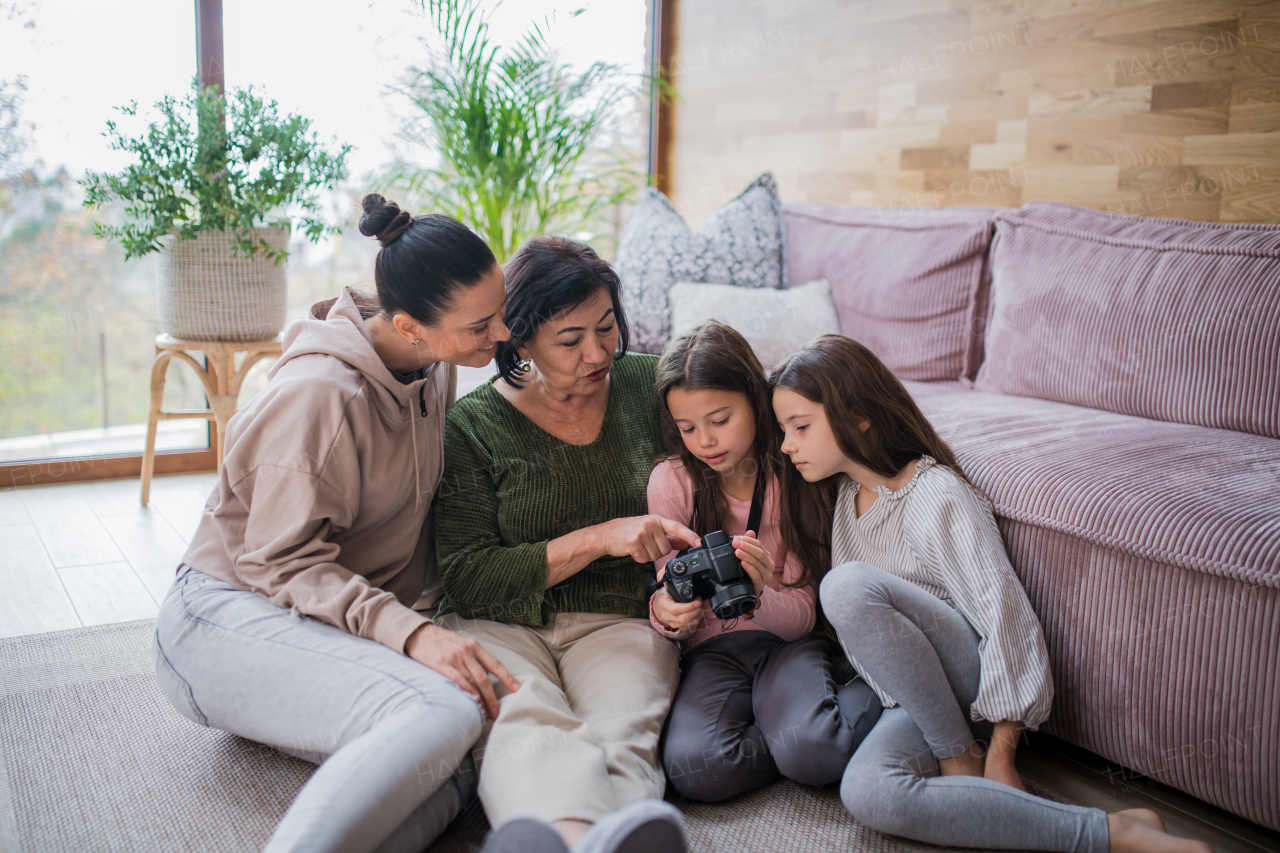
{"points": [[579, 739]]}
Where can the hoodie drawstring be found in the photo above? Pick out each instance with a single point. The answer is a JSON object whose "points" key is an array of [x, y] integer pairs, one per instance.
{"points": [[417, 466]]}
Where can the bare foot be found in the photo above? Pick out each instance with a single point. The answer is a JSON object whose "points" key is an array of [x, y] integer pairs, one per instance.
{"points": [[968, 763], [571, 830], [1142, 831], [1004, 771]]}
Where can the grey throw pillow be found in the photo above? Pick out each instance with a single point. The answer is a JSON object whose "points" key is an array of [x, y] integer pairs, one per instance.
{"points": [[741, 244]]}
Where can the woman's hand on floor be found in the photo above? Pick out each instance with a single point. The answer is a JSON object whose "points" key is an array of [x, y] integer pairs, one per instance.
{"points": [[461, 659]]}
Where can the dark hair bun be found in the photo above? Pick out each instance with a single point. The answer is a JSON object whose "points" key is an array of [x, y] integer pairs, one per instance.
{"points": [[383, 219]]}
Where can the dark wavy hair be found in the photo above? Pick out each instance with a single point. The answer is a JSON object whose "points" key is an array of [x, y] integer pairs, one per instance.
{"points": [[424, 260], [546, 277], [715, 357], [851, 384]]}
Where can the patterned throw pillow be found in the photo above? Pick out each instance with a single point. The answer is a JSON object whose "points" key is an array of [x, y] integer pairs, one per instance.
{"points": [[740, 244]]}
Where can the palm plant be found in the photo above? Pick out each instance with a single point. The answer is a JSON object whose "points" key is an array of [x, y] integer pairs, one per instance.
{"points": [[518, 131]]}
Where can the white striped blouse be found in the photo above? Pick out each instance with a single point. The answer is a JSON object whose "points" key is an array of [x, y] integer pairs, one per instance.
{"points": [[940, 534]]}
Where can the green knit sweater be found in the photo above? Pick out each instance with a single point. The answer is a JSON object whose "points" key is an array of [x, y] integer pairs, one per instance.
{"points": [[509, 488]]}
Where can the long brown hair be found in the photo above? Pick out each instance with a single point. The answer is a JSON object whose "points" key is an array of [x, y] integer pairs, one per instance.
{"points": [[851, 385], [715, 357]]}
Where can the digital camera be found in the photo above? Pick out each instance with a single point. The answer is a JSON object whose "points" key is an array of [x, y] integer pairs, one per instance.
{"points": [[712, 572]]}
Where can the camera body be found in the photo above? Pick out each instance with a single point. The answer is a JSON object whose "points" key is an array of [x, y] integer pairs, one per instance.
{"points": [[712, 572]]}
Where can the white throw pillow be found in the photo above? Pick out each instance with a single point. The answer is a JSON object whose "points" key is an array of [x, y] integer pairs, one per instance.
{"points": [[775, 322]]}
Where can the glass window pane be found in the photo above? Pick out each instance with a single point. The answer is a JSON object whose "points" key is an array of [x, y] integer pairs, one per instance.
{"points": [[77, 323], [342, 67]]}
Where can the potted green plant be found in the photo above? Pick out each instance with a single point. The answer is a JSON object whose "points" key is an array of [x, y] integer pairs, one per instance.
{"points": [[216, 185], [521, 135]]}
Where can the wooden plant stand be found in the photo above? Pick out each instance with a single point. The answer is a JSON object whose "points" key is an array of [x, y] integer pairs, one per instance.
{"points": [[221, 380]]}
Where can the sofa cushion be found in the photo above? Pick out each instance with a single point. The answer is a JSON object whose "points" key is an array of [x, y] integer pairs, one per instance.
{"points": [[1188, 496], [1165, 319], [741, 244], [909, 284]]}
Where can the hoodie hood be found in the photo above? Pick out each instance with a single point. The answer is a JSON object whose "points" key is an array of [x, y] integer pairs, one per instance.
{"points": [[343, 334]]}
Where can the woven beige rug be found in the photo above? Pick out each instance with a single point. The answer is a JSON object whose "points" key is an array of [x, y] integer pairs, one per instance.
{"points": [[92, 758]]}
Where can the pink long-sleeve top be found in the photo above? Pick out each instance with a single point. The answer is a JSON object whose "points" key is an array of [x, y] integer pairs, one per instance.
{"points": [[787, 612]]}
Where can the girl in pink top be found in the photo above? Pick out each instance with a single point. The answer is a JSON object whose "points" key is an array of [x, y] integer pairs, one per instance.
{"points": [[757, 698]]}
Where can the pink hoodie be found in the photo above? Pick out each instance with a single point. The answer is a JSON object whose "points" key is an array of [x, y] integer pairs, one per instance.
{"points": [[321, 505]]}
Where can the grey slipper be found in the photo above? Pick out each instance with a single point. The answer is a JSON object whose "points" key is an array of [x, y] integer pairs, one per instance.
{"points": [[524, 835], [645, 826]]}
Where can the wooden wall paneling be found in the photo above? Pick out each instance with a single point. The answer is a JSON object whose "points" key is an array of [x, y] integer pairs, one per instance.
{"points": [[1151, 107]]}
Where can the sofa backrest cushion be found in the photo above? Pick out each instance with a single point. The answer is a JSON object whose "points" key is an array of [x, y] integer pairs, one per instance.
{"points": [[907, 283], [1165, 319]]}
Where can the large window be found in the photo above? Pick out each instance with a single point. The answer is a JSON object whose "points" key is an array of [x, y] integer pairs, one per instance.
{"points": [[77, 323]]}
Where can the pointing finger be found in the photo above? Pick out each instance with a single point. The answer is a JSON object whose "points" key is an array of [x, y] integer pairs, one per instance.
{"points": [[677, 531]]}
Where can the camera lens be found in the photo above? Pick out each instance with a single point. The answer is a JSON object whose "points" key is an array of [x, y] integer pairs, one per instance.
{"points": [[734, 600]]}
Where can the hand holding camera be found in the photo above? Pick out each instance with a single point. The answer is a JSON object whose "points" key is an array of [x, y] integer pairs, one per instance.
{"points": [[755, 560], [676, 615], [728, 572]]}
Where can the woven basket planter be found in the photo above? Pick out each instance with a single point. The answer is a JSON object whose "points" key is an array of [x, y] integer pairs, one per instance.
{"points": [[207, 293]]}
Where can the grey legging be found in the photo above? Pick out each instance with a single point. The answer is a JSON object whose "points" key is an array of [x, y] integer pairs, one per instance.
{"points": [[394, 735], [924, 654]]}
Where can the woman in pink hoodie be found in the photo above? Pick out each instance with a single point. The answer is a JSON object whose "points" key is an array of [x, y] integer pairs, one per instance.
{"points": [[300, 615]]}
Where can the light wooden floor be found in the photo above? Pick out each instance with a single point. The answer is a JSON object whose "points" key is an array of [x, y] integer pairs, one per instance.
{"points": [[90, 554]]}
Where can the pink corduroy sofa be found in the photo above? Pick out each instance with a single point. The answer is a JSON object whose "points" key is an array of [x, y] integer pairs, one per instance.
{"points": [[1113, 384]]}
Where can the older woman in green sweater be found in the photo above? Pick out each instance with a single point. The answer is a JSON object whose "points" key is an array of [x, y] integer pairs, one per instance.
{"points": [[545, 552]]}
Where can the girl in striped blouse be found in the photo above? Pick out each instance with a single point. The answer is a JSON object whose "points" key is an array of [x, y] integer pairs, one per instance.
{"points": [[930, 613]]}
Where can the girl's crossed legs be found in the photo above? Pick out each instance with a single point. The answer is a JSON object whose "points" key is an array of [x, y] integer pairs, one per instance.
{"points": [[752, 708], [924, 654]]}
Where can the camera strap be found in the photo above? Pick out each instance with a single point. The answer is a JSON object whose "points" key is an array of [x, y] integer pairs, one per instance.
{"points": [[755, 514], [757, 505]]}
